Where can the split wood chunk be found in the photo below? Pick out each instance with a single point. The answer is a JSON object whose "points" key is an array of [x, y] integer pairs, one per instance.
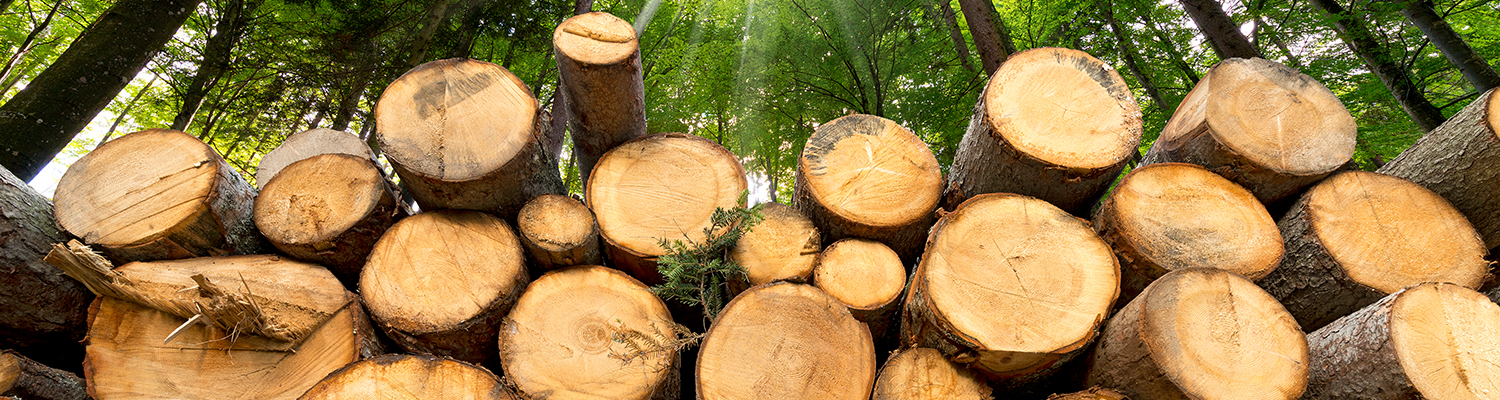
{"points": [[414, 376], [1012, 286], [1264, 126], [26, 379], [1430, 341], [157, 194], [306, 144], [923, 374], [1202, 333], [782, 247], [865, 275], [1460, 160], [1056, 124], [660, 187], [464, 134], [439, 282], [590, 332], [599, 65], [1093, 393], [865, 176], [1358, 236], [1170, 216], [329, 209], [786, 341], [559, 232], [42, 313]]}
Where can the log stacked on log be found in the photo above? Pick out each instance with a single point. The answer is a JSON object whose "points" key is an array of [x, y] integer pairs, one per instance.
{"points": [[865, 176], [599, 67], [1202, 333], [328, 209], [923, 374], [26, 379], [1012, 286], [1170, 216], [660, 187], [439, 282], [1358, 236], [1093, 393], [464, 134], [1459, 160], [413, 376], [559, 232], [157, 194], [306, 144], [1264, 126], [42, 313], [1433, 341], [782, 247], [865, 275]]}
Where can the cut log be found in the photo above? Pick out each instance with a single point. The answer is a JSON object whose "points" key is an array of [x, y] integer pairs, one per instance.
{"points": [[439, 282], [660, 187], [867, 277], [1056, 124], [1202, 333], [786, 341], [464, 134], [1093, 393], [1358, 236], [782, 247], [1011, 286], [1430, 341], [26, 379], [306, 144], [414, 376], [865, 176], [1458, 160], [43, 313], [923, 374], [1264, 126], [157, 194], [328, 209], [1170, 216], [590, 332], [599, 66], [559, 232]]}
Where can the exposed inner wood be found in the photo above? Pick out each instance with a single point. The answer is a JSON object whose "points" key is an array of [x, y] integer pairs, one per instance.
{"points": [[302, 145], [556, 223], [862, 273], [595, 38], [664, 186], [924, 374], [1492, 116], [871, 171], [433, 271], [455, 119], [1064, 107], [783, 246], [414, 376], [1444, 337], [10, 370], [318, 198], [137, 188]]}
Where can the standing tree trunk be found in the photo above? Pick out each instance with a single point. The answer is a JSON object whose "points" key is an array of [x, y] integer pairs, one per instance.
{"points": [[1178, 59], [1129, 54], [42, 313], [1457, 160], [1352, 29], [950, 22], [437, 15], [216, 55], [1475, 69], [989, 32], [40, 120], [599, 74], [1223, 34]]}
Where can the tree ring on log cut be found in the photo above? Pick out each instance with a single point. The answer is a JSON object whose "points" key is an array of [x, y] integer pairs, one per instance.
{"points": [[783, 246], [864, 274], [434, 271], [662, 187], [924, 374], [870, 171], [1444, 339], [418, 376], [1096, 126], [1492, 115], [455, 120], [303, 145], [563, 226], [596, 38], [320, 198]]}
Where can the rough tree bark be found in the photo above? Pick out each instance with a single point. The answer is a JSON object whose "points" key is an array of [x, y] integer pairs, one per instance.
{"points": [[42, 312], [1222, 32], [1457, 159], [1475, 69], [991, 36], [599, 67], [1356, 34], [31, 380], [27, 43]]}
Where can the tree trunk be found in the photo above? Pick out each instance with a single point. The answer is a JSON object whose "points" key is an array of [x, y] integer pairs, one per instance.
{"points": [[40, 120], [307, 144], [989, 294], [1202, 333], [781, 247], [126, 112], [867, 277], [1129, 53], [1177, 58], [559, 232], [626, 343], [988, 31], [1053, 123], [26, 44], [440, 281], [660, 187], [950, 22], [1358, 236], [1264, 126], [1352, 29], [329, 209], [358, 82], [492, 162], [158, 194], [599, 69], [1456, 160], [27, 379], [1222, 32], [1281, 44], [42, 312], [436, 15], [1475, 69], [417, 376], [824, 353], [216, 56], [923, 374]]}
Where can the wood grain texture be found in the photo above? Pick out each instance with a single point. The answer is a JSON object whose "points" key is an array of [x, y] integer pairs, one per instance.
{"points": [[599, 65], [417, 376], [328, 209], [1460, 160], [923, 374], [782, 247], [559, 232], [303, 145]]}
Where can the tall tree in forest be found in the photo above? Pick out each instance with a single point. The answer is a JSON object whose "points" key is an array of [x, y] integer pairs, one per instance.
{"points": [[1474, 68], [216, 55], [1351, 28], [41, 119], [991, 36], [27, 44], [1222, 33], [950, 21], [1129, 54]]}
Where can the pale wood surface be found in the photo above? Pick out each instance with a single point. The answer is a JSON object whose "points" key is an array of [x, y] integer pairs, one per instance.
{"points": [[416, 376], [559, 232], [302, 145], [783, 246], [329, 209], [923, 374], [599, 66], [1457, 160], [865, 275]]}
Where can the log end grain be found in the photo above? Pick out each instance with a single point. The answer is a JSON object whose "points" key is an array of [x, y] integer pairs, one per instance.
{"points": [[595, 38], [868, 171], [865, 275], [559, 231], [455, 120], [302, 145], [1093, 393], [417, 376], [783, 246], [924, 374], [329, 208], [1092, 124], [1444, 337]]}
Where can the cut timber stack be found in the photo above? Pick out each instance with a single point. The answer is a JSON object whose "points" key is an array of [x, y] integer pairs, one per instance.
{"points": [[590, 332], [1012, 286], [328, 209], [782, 247], [1093, 393], [1055, 124], [923, 374], [1264, 126], [866, 276], [1460, 160], [439, 282], [306, 144], [26, 379], [1202, 333], [464, 134], [865, 176], [786, 341], [157, 194], [413, 376], [660, 187], [1171, 216], [1358, 236], [599, 66], [559, 232], [42, 313], [1430, 341]]}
